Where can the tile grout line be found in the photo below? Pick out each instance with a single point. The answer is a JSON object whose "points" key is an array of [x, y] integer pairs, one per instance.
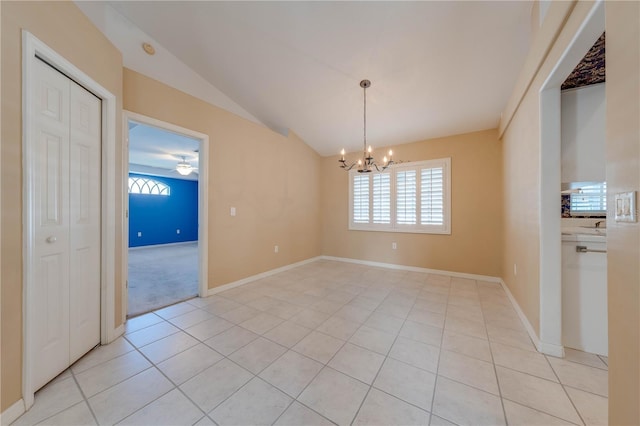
{"points": [[83, 400], [257, 375], [385, 359], [86, 400], [493, 363], [326, 365], [294, 400], [564, 390], [175, 386], [484, 320], [294, 287], [435, 382], [527, 374]]}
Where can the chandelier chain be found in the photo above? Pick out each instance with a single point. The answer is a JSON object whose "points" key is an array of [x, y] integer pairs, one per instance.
{"points": [[367, 163], [365, 119]]}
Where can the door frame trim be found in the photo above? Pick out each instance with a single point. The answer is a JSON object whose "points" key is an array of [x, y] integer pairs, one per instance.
{"points": [[203, 197], [550, 250], [32, 47]]}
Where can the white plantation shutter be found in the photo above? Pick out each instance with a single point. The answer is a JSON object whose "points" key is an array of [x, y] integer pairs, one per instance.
{"points": [[407, 197], [432, 196], [591, 200], [406, 187], [361, 199], [382, 198]]}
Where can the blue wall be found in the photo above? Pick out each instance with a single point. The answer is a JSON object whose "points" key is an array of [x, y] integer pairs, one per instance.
{"points": [[158, 217]]}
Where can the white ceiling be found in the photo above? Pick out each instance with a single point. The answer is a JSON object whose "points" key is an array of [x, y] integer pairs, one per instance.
{"points": [[437, 68], [157, 152]]}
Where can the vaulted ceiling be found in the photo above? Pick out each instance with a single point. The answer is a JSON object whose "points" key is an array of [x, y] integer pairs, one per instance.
{"points": [[437, 68]]}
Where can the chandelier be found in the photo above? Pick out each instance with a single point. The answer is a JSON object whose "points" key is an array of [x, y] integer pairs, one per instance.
{"points": [[367, 163]]}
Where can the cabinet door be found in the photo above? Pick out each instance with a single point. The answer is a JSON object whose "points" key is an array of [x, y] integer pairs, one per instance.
{"points": [[584, 298]]}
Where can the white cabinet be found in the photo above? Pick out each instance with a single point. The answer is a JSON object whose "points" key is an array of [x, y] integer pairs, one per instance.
{"points": [[584, 295], [583, 134]]}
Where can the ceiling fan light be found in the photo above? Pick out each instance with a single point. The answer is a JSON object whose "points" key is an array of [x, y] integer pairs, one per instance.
{"points": [[184, 168]]}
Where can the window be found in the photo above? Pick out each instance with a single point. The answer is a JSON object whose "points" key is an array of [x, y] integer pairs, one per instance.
{"points": [[409, 197], [591, 200], [140, 185]]}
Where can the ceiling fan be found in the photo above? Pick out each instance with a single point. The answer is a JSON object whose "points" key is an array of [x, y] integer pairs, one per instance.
{"points": [[185, 168]]}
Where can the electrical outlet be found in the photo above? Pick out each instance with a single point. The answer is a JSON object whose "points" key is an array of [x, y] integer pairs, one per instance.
{"points": [[233, 211], [177, 231], [515, 269], [139, 234], [394, 246], [275, 249]]}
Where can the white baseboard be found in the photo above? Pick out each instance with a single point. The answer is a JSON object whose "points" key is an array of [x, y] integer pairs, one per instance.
{"points": [[551, 349], [265, 274], [12, 413], [414, 269], [179, 243], [543, 347], [118, 331]]}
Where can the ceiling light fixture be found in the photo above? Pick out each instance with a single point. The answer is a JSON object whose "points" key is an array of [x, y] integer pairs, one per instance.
{"points": [[149, 49], [367, 162], [184, 167]]}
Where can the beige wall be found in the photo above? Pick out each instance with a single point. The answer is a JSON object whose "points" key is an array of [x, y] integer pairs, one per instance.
{"points": [[623, 239], [521, 157], [272, 180], [521, 214], [65, 29], [521, 186], [475, 243]]}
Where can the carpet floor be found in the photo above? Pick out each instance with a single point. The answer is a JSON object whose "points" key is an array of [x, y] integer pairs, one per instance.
{"points": [[161, 275]]}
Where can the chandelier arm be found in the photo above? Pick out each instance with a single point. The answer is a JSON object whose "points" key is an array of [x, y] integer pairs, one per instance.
{"points": [[345, 166]]}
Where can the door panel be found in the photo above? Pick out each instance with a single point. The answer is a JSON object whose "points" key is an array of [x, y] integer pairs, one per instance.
{"points": [[52, 308], [50, 107], [85, 173], [66, 186]]}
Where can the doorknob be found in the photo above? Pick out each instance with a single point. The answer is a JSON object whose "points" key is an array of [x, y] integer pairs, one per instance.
{"points": [[52, 239]]}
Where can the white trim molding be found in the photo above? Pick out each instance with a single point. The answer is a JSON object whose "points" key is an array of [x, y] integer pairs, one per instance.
{"points": [[34, 48], [550, 250], [545, 348], [10, 415], [261, 275], [414, 269]]}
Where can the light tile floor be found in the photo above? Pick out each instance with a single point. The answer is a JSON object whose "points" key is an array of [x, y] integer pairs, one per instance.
{"points": [[325, 343]]}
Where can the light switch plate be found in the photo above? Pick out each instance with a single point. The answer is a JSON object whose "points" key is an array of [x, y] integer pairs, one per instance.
{"points": [[625, 207]]}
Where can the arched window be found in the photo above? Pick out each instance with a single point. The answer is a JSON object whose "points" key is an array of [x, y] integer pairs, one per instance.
{"points": [[140, 185]]}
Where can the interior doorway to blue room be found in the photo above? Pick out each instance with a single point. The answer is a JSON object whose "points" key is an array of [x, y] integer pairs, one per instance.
{"points": [[164, 250]]}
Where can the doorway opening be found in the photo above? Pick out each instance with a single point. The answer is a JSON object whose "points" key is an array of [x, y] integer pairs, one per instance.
{"points": [[166, 204], [551, 286]]}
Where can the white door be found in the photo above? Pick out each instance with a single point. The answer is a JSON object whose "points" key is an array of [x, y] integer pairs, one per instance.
{"points": [[66, 247]]}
